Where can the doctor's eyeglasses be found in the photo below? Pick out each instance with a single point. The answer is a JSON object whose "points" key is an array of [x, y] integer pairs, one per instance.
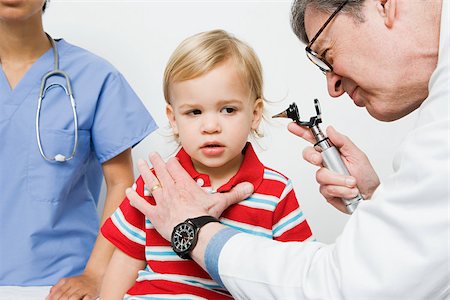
{"points": [[315, 58]]}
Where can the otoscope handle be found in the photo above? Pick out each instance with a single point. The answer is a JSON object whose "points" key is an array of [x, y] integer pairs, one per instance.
{"points": [[331, 157], [332, 160]]}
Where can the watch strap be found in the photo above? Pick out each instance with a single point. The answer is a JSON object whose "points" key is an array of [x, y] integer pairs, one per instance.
{"points": [[199, 222]]}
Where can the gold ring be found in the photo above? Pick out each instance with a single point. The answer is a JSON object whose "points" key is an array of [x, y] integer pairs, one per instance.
{"points": [[155, 187]]}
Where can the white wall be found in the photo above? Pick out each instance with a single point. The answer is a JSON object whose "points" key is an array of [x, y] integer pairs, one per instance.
{"points": [[139, 36]]}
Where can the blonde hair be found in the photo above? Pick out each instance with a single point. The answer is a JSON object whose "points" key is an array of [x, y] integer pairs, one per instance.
{"points": [[200, 53]]}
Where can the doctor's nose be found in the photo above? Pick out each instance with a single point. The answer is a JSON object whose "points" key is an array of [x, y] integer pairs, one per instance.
{"points": [[334, 84]]}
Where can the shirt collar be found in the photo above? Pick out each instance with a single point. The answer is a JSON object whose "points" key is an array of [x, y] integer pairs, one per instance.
{"points": [[251, 170]]}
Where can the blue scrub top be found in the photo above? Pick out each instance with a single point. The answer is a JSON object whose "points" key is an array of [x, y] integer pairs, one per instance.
{"points": [[48, 217]]}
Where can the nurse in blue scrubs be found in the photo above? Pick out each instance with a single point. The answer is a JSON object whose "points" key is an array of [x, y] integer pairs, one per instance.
{"points": [[48, 219]]}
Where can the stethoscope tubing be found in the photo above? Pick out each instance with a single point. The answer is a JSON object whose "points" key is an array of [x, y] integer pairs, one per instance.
{"points": [[56, 72]]}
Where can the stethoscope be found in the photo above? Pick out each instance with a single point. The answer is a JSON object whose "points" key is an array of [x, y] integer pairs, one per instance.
{"points": [[56, 72]]}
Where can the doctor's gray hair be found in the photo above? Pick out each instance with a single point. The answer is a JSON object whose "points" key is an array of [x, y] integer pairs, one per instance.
{"points": [[202, 52], [352, 8]]}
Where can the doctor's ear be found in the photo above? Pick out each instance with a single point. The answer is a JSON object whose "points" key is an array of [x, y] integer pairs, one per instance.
{"points": [[388, 10], [171, 116]]}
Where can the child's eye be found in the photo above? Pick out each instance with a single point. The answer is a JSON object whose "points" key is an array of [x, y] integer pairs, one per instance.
{"points": [[194, 112], [228, 110]]}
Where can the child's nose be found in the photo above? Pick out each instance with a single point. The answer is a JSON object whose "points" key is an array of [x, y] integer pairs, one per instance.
{"points": [[210, 124]]}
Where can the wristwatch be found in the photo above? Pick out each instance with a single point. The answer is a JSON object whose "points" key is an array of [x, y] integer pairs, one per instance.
{"points": [[185, 235]]}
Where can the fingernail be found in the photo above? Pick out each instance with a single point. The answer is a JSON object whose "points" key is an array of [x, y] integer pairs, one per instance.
{"points": [[354, 192], [248, 188], [315, 158], [350, 181]]}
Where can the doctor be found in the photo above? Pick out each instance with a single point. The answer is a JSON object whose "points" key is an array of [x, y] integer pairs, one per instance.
{"points": [[52, 156], [392, 57]]}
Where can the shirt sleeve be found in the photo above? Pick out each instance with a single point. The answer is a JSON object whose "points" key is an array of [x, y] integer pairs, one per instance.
{"points": [[125, 229], [121, 120], [289, 223]]}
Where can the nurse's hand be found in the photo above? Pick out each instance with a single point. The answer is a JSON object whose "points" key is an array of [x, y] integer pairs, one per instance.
{"points": [[85, 287], [178, 197], [334, 186]]}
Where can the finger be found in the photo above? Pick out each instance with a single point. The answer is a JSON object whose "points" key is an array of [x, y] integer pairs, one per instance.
{"points": [[67, 294], [327, 177], [302, 132], [312, 156], [338, 204], [150, 180], [58, 289], [140, 203], [182, 179], [161, 171], [179, 174], [341, 141], [339, 191], [238, 193], [58, 285], [76, 295]]}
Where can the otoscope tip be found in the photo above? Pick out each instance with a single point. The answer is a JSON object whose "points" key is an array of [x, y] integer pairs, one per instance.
{"points": [[282, 114]]}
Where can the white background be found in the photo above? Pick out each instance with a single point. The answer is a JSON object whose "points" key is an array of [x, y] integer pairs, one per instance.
{"points": [[138, 37]]}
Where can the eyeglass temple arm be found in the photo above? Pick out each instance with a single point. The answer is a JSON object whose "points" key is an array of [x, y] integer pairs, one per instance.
{"points": [[326, 23]]}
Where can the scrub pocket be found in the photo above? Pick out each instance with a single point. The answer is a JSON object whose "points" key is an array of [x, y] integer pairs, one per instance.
{"points": [[52, 181]]}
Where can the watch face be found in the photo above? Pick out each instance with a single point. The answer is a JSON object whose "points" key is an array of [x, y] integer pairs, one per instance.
{"points": [[183, 237]]}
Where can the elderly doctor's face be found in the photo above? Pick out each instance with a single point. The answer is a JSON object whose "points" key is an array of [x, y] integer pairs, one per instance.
{"points": [[367, 61]]}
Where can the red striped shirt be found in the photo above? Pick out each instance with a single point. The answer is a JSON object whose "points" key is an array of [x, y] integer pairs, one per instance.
{"points": [[272, 211]]}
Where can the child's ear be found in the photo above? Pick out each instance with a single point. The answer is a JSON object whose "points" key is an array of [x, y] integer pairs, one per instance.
{"points": [[171, 116], [388, 10], [258, 108]]}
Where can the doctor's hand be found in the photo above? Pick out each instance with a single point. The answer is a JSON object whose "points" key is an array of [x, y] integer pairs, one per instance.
{"points": [[82, 287], [334, 186], [178, 197]]}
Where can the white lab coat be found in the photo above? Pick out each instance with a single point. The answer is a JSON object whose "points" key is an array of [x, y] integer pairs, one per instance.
{"points": [[395, 246]]}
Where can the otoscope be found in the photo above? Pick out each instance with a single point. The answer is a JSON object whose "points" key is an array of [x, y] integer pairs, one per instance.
{"points": [[331, 157]]}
